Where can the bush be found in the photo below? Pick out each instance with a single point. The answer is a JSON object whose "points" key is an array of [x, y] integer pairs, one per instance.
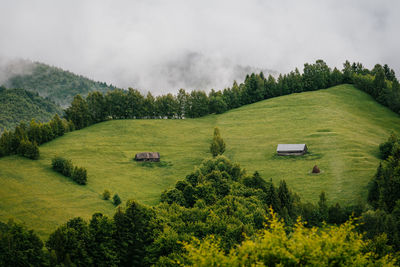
{"points": [[65, 167], [116, 200], [387, 147], [106, 194], [28, 149], [79, 175], [57, 163]]}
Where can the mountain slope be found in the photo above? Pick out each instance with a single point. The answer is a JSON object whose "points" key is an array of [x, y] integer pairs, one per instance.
{"points": [[52, 82], [341, 126], [21, 105]]}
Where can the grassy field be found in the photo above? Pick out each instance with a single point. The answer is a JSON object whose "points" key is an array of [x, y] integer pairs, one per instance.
{"points": [[341, 126]]}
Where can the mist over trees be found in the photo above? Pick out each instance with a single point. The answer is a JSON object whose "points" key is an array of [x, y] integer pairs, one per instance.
{"points": [[21, 105], [380, 83], [51, 82]]}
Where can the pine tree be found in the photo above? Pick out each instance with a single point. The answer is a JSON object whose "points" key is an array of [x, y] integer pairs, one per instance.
{"points": [[217, 146], [323, 206], [285, 197], [272, 198], [116, 200]]}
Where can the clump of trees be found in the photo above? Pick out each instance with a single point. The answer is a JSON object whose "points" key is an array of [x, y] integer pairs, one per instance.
{"points": [[219, 198], [66, 168], [218, 145], [380, 82], [28, 149], [25, 138], [20, 246], [274, 246], [384, 196]]}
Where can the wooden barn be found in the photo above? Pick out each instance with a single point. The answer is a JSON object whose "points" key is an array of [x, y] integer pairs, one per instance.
{"points": [[291, 149], [148, 156]]}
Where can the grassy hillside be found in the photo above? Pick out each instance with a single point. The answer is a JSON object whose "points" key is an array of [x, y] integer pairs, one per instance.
{"points": [[20, 105], [342, 127], [52, 82]]}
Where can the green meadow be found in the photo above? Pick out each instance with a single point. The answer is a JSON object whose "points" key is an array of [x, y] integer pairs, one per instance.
{"points": [[341, 126]]}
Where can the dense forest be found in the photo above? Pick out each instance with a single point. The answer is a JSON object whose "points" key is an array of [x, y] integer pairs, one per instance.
{"points": [[51, 82], [219, 214], [20, 105]]}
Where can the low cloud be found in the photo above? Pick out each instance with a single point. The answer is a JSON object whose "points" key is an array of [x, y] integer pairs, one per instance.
{"points": [[162, 46]]}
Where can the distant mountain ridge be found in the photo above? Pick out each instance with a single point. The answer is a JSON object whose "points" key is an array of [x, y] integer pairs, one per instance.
{"points": [[50, 82], [21, 105]]}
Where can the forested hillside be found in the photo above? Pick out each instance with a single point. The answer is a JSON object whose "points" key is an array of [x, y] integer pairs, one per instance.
{"points": [[22, 105], [52, 82]]}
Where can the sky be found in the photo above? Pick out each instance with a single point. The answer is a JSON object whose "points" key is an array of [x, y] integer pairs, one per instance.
{"points": [[161, 46]]}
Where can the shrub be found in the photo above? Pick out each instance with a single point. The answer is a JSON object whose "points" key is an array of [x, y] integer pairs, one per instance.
{"points": [[79, 175], [28, 149], [67, 168], [387, 147], [106, 194], [57, 163], [116, 200]]}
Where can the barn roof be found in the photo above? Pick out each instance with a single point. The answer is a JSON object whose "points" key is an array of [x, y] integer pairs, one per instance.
{"points": [[148, 155], [290, 147]]}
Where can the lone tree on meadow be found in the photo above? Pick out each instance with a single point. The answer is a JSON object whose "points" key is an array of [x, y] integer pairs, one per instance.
{"points": [[217, 146]]}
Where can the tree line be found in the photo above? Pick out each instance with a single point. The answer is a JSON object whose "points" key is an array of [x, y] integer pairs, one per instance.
{"points": [[25, 138], [384, 195], [380, 83]]}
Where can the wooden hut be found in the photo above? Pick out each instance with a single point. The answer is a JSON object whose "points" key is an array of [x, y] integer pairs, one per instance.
{"points": [[291, 149], [148, 156]]}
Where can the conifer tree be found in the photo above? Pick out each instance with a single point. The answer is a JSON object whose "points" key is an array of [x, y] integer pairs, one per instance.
{"points": [[323, 206], [116, 200], [217, 145]]}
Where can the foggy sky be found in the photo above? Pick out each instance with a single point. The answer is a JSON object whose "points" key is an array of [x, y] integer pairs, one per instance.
{"points": [[162, 46]]}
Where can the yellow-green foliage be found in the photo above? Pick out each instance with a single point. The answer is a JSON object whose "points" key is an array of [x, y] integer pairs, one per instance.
{"points": [[326, 246]]}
